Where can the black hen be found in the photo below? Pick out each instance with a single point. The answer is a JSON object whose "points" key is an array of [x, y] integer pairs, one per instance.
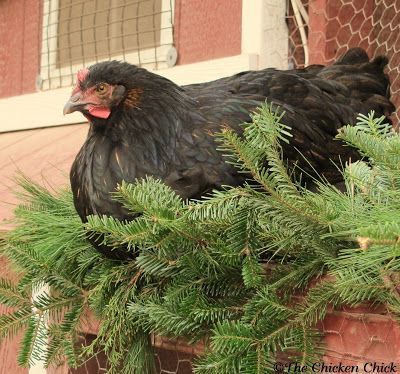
{"points": [[143, 124]]}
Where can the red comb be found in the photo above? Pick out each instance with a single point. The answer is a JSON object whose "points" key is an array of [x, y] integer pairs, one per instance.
{"points": [[82, 74]]}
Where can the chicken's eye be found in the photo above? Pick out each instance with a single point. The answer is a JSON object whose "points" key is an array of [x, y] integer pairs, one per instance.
{"points": [[101, 88]]}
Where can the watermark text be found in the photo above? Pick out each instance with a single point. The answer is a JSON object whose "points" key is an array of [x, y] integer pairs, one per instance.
{"points": [[323, 367]]}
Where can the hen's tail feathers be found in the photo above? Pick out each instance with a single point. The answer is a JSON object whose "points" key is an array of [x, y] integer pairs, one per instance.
{"points": [[366, 80], [356, 56], [380, 61], [353, 56]]}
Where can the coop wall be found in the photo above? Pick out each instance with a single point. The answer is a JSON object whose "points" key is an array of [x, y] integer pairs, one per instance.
{"points": [[20, 38]]}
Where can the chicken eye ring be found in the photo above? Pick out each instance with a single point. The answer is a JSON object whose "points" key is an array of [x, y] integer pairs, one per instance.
{"points": [[101, 88]]}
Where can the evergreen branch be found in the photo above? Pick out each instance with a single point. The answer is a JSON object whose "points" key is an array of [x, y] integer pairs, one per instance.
{"points": [[117, 233], [215, 362], [70, 352], [151, 196], [371, 136], [161, 320], [11, 323], [11, 296], [140, 356], [199, 268], [153, 264], [33, 342], [232, 338]]}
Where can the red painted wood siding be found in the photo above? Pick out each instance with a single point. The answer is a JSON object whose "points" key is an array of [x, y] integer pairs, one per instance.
{"points": [[207, 29], [20, 34]]}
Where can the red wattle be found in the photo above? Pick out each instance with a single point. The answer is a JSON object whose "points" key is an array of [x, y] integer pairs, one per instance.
{"points": [[100, 112]]}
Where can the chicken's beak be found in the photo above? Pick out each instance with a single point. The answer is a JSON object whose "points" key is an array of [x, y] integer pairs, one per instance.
{"points": [[74, 103]]}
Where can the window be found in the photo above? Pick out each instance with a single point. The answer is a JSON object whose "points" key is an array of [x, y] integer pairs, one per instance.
{"points": [[79, 33]]}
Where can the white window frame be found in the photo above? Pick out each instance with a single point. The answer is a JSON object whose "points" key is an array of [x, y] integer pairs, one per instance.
{"points": [[264, 44]]}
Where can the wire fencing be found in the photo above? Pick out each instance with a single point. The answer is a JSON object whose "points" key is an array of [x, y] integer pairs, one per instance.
{"points": [[371, 24], [79, 33]]}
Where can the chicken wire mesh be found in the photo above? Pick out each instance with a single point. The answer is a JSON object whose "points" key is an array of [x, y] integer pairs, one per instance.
{"points": [[371, 24], [175, 356], [362, 335], [95, 364], [170, 356], [79, 33], [297, 22]]}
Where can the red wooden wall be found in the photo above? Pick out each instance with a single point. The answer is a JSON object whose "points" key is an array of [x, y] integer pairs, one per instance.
{"points": [[20, 35], [207, 29]]}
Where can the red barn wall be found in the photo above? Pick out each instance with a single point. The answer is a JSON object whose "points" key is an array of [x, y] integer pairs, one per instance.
{"points": [[207, 29], [20, 34]]}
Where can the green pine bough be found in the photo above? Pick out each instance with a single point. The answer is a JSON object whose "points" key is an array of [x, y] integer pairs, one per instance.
{"points": [[225, 269]]}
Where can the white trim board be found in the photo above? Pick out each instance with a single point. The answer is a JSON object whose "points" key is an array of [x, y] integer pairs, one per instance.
{"points": [[44, 109], [265, 32]]}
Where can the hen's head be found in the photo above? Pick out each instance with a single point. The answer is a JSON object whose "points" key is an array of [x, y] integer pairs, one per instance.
{"points": [[103, 87]]}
